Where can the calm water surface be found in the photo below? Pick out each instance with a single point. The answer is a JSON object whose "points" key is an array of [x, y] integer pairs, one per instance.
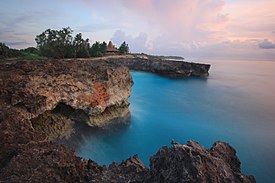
{"points": [[235, 104]]}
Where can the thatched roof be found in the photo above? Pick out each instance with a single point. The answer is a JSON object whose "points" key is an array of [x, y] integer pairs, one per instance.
{"points": [[111, 47]]}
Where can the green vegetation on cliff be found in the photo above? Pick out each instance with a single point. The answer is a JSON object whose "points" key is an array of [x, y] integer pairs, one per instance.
{"points": [[60, 44], [124, 48], [30, 53]]}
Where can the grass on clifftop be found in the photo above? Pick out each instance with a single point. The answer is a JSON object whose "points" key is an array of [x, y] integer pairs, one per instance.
{"points": [[31, 56]]}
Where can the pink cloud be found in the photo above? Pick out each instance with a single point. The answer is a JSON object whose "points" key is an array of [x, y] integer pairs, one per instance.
{"points": [[188, 20], [201, 27], [138, 42], [182, 27], [251, 20]]}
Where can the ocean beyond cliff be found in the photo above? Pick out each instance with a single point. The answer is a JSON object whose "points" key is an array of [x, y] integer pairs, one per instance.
{"points": [[41, 102]]}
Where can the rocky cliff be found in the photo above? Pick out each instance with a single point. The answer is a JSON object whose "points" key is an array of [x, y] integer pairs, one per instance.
{"points": [[40, 101], [97, 89], [164, 66]]}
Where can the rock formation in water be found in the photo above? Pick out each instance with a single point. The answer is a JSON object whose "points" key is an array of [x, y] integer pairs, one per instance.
{"points": [[39, 101]]}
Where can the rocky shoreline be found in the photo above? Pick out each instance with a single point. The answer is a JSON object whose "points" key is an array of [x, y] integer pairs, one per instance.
{"points": [[41, 100]]}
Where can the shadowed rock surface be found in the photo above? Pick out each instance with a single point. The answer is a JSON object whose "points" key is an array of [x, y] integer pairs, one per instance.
{"points": [[39, 101], [193, 163]]}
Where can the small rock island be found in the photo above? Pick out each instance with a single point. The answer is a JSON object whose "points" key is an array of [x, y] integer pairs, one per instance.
{"points": [[41, 100]]}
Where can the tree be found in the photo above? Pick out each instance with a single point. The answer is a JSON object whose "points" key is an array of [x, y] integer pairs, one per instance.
{"points": [[103, 47], [29, 50], [124, 48], [81, 46], [61, 44], [84, 49], [98, 49], [64, 40], [53, 43], [4, 50]]}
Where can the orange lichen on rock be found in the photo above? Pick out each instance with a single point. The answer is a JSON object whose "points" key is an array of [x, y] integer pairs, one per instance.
{"points": [[100, 95]]}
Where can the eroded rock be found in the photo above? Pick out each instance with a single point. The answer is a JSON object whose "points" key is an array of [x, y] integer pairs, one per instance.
{"points": [[93, 87]]}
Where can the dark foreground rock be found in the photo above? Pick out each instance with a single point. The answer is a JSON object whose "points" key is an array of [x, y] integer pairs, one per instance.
{"points": [[193, 163], [48, 162], [39, 101]]}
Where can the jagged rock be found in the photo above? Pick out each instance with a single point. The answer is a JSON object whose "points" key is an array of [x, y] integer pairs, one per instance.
{"points": [[130, 170], [44, 162], [193, 163], [48, 162]]}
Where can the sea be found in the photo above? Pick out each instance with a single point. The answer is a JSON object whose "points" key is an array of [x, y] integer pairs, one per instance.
{"points": [[235, 104]]}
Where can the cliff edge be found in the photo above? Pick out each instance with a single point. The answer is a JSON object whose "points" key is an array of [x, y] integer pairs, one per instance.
{"points": [[165, 66], [40, 101]]}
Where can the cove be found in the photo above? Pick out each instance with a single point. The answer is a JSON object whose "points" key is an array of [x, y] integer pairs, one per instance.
{"points": [[234, 104]]}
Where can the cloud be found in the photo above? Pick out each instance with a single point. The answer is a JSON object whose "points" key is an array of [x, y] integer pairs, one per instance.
{"points": [[266, 44], [17, 44], [186, 20], [207, 28], [182, 27], [137, 43], [251, 19]]}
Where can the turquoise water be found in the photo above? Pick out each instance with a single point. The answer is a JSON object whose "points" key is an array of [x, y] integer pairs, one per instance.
{"points": [[235, 104]]}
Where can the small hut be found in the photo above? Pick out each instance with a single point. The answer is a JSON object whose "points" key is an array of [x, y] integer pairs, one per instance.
{"points": [[111, 49]]}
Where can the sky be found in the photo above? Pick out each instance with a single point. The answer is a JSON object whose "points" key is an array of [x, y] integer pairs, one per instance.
{"points": [[233, 29]]}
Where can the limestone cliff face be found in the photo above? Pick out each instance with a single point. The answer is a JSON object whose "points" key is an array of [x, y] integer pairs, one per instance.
{"points": [[92, 87]]}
